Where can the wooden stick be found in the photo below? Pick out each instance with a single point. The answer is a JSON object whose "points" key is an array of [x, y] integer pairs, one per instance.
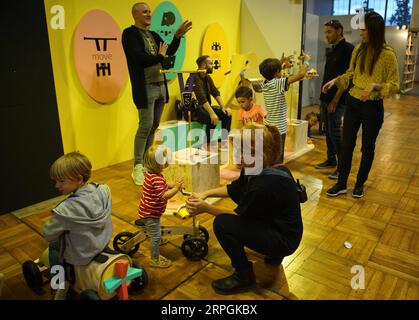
{"points": [[183, 71], [189, 131]]}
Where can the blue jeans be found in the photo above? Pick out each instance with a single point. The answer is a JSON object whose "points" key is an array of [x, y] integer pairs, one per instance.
{"points": [[149, 120], [154, 234], [333, 125]]}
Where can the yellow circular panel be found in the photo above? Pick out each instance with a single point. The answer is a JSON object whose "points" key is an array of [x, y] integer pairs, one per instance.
{"points": [[215, 45]]}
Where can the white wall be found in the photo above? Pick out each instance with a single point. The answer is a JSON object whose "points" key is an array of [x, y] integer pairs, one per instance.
{"points": [[270, 28], [396, 38], [311, 46]]}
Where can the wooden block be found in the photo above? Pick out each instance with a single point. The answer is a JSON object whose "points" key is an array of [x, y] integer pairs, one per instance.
{"points": [[199, 174], [121, 269], [296, 135]]}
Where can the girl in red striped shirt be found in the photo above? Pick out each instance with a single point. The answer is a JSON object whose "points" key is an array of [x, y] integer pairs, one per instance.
{"points": [[156, 192]]}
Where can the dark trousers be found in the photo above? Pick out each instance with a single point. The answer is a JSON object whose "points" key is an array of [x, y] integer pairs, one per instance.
{"points": [[54, 250], [333, 123], [202, 116], [234, 233], [370, 115], [283, 137]]}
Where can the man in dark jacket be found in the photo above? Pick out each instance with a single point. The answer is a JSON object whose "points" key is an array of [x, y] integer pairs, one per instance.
{"points": [[337, 62], [145, 52], [204, 88]]}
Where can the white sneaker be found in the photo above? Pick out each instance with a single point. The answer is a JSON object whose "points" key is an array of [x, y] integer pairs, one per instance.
{"points": [[138, 174]]}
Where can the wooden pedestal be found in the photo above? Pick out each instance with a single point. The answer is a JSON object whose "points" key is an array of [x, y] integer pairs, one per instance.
{"points": [[199, 169], [296, 135]]}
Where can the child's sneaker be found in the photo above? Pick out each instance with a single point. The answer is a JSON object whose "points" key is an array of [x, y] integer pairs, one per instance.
{"points": [[161, 262], [138, 174]]}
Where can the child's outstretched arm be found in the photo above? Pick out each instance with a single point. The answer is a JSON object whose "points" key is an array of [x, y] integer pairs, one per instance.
{"points": [[300, 74], [179, 185]]}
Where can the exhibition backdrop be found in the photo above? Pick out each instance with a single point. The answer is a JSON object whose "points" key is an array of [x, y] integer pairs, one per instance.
{"points": [[89, 85], [105, 132]]}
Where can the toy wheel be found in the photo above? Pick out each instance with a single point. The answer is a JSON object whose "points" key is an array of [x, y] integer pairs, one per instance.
{"points": [[194, 248], [89, 295], [139, 283], [33, 275], [119, 241], [203, 233]]}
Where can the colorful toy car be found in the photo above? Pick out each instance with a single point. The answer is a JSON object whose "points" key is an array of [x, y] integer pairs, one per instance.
{"points": [[99, 280]]}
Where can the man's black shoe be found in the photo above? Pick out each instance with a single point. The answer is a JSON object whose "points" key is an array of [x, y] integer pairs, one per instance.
{"points": [[325, 165], [336, 190]]}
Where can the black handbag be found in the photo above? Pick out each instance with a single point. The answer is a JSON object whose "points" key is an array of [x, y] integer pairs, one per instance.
{"points": [[302, 193], [301, 189]]}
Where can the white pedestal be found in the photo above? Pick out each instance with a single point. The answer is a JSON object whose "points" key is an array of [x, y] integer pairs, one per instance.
{"points": [[296, 135]]}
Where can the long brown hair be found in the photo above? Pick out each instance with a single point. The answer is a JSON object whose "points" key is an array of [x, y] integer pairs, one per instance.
{"points": [[374, 23]]}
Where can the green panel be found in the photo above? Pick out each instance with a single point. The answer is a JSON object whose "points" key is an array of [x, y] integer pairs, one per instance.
{"points": [[165, 21], [176, 137]]}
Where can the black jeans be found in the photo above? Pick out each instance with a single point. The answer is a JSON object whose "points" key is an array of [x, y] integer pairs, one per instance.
{"points": [[234, 233], [333, 123], [283, 137], [370, 115], [202, 116]]}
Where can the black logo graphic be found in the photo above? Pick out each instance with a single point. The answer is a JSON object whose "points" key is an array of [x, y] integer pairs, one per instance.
{"points": [[103, 67], [105, 42], [217, 64], [168, 19], [165, 32], [216, 46]]}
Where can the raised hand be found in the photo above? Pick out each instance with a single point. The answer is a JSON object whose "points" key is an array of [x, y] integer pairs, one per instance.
{"points": [[163, 48], [183, 28], [287, 61]]}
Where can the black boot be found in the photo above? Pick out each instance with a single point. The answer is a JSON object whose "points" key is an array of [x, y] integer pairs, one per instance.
{"points": [[239, 281]]}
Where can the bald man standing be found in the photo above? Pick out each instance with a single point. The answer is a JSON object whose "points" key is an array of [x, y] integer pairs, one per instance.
{"points": [[145, 52]]}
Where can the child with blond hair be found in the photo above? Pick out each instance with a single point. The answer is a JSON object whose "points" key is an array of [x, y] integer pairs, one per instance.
{"points": [[156, 192], [81, 225]]}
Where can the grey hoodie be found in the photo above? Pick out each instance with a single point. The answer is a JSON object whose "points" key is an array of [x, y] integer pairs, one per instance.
{"points": [[84, 219]]}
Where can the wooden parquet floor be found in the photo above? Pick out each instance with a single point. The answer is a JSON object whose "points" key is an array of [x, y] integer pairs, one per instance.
{"points": [[383, 229]]}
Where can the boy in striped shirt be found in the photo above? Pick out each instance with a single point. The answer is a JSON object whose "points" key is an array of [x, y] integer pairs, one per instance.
{"points": [[156, 192], [273, 87]]}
